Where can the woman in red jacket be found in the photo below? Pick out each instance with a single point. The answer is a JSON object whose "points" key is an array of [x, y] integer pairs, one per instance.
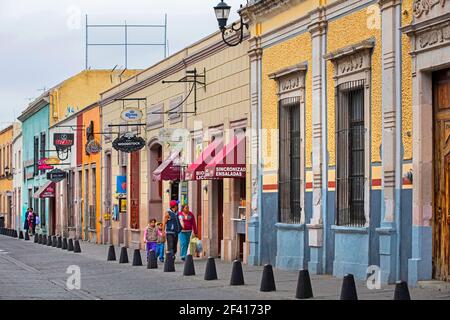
{"points": [[188, 225]]}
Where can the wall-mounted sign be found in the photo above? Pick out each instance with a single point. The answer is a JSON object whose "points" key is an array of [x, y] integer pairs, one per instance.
{"points": [[52, 161], [56, 175], [63, 140], [42, 165], [131, 114], [122, 205], [121, 184], [93, 147], [129, 142]]}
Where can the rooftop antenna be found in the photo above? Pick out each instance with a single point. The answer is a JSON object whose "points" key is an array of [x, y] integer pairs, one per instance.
{"points": [[126, 28]]}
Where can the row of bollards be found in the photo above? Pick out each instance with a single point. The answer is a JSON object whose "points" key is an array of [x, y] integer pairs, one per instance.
{"points": [[304, 287], [9, 232], [57, 242]]}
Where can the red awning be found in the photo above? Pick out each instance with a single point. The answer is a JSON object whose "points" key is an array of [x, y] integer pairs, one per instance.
{"points": [[46, 191], [196, 171], [229, 162], [168, 170]]}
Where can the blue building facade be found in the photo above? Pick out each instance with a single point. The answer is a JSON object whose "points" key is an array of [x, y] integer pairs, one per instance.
{"points": [[35, 130]]}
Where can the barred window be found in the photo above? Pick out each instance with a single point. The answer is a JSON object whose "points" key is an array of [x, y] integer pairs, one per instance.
{"points": [[289, 162], [350, 137]]}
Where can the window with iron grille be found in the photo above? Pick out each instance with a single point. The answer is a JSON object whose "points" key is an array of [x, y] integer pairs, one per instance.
{"points": [[93, 200], [350, 140], [289, 181], [36, 156], [43, 146]]}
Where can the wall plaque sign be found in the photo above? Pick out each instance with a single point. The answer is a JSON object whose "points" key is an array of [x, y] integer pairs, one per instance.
{"points": [[129, 142]]}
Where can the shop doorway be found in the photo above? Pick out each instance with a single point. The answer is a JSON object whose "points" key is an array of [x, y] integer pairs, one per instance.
{"points": [[441, 165], [219, 188], [52, 215], [154, 187]]}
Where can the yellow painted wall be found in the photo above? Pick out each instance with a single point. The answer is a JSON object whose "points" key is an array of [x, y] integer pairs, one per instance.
{"points": [[350, 29], [285, 54], [81, 91], [92, 114], [407, 116], [6, 136]]}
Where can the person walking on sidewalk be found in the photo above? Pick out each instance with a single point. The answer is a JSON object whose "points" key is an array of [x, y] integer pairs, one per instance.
{"points": [[171, 227], [188, 225], [161, 241], [151, 237], [27, 225]]}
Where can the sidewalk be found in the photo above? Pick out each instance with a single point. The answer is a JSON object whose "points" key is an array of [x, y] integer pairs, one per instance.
{"points": [[33, 271]]}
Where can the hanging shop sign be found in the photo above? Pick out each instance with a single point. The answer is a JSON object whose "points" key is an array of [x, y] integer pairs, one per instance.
{"points": [[131, 114], [42, 165], [53, 161], [122, 205], [93, 147], [129, 142], [63, 140], [56, 175]]}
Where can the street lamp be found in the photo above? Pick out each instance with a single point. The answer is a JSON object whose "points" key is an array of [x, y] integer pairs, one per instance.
{"points": [[8, 173], [222, 11]]}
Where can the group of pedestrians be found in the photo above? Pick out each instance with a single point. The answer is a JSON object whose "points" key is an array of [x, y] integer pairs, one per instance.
{"points": [[31, 221], [176, 225]]}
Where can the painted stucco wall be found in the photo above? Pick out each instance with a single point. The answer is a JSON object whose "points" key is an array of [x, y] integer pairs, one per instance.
{"points": [[92, 114], [6, 186], [81, 90], [33, 126]]}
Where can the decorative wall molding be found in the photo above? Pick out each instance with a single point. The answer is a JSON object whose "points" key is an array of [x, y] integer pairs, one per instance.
{"points": [[421, 7], [435, 36], [290, 79]]}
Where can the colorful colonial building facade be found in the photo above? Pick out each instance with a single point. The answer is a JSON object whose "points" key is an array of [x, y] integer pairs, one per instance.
{"points": [[342, 135], [183, 124]]}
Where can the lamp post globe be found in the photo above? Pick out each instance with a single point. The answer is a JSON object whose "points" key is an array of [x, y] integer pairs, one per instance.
{"points": [[222, 11]]}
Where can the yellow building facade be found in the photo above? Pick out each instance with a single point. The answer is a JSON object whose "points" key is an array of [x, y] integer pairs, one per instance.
{"points": [[334, 159], [6, 183]]}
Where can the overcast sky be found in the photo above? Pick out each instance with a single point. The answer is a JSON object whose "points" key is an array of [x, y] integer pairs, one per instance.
{"points": [[42, 42]]}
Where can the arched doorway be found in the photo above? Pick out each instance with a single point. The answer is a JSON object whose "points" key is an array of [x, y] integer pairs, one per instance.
{"points": [[154, 187]]}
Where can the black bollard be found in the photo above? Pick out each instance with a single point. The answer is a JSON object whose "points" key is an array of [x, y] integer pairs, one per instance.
{"points": [[268, 280], [20, 234], [210, 271], [137, 260], [401, 291], [36, 238], [304, 288], [123, 255], [111, 254], [40, 239], [64, 244], [152, 260], [15, 235], [27, 236], [44, 239], [348, 291], [54, 241], [77, 248], [59, 243], [237, 275], [49, 241], [169, 263], [70, 245], [189, 268]]}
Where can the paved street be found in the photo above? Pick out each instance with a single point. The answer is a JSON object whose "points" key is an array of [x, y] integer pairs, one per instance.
{"points": [[33, 271]]}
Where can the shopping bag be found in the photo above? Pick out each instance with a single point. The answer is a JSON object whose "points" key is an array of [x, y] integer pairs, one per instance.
{"points": [[199, 246], [193, 245]]}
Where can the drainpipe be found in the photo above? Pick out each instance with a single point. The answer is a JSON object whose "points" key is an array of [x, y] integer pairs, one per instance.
{"points": [[324, 153], [398, 124], [260, 179]]}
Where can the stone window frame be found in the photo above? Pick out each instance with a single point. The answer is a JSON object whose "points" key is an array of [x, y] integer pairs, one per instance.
{"points": [[354, 63], [289, 89]]}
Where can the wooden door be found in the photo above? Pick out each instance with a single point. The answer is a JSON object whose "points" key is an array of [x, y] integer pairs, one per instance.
{"points": [[134, 190], [441, 216], [199, 208]]}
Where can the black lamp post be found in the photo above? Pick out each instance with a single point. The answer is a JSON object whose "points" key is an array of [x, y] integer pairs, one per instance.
{"points": [[222, 11]]}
